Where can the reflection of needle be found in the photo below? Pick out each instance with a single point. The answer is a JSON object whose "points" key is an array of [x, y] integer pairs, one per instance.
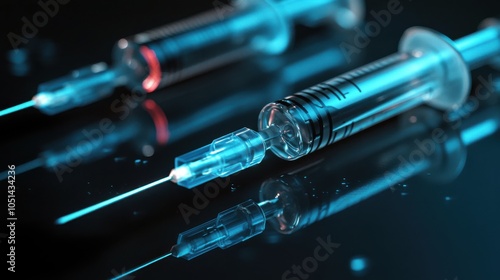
{"points": [[24, 167], [18, 107], [105, 203], [142, 266]]}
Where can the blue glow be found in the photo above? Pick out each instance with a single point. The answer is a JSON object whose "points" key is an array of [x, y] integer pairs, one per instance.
{"points": [[141, 267], [24, 168], [19, 61], [81, 87], [313, 65], [247, 144], [17, 108], [95, 148], [358, 264], [105, 203], [246, 101], [478, 132], [213, 114]]}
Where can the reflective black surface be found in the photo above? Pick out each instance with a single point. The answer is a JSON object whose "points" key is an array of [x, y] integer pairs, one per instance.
{"points": [[438, 223]]}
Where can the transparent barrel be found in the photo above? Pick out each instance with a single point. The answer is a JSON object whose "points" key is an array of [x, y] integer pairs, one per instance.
{"points": [[338, 108], [429, 68], [227, 33]]}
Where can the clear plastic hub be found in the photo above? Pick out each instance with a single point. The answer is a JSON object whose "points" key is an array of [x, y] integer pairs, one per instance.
{"points": [[226, 155]]}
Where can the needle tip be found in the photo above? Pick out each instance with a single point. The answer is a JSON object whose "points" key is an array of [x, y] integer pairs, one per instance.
{"points": [[142, 266]]}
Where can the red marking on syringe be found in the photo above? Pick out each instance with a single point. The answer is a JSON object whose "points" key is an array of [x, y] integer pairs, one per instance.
{"points": [[152, 81], [160, 120]]}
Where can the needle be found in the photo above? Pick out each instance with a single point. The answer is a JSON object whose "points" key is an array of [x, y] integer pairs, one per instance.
{"points": [[105, 203], [142, 266], [17, 108]]}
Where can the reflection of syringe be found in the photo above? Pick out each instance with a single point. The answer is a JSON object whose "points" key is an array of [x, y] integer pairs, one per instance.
{"points": [[101, 139], [381, 168], [175, 52], [303, 197]]}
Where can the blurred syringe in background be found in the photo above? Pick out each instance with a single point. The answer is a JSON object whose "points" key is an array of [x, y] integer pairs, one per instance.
{"points": [[147, 61]]}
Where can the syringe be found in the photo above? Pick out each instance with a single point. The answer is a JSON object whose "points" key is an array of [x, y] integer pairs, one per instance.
{"points": [[429, 68], [175, 52]]}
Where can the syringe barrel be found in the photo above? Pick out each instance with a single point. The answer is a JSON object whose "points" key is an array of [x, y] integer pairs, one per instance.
{"points": [[333, 110], [177, 51], [428, 68], [231, 227]]}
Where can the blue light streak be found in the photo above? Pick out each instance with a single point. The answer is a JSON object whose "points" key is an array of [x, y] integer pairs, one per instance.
{"points": [[142, 266], [17, 108], [110, 201], [24, 168]]}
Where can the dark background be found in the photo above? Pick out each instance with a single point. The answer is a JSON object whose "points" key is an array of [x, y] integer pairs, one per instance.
{"points": [[410, 232]]}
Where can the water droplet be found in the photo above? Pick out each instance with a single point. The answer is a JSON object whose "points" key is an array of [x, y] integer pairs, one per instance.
{"points": [[359, 264]]}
